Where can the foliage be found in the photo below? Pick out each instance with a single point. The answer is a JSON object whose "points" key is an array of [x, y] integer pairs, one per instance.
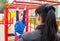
{"points": [[3, 3]]}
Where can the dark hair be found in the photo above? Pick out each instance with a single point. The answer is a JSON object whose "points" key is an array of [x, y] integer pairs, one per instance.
{"points": [[47, 13]]}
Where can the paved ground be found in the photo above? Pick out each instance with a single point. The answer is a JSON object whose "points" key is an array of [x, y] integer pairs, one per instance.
{"points": [[58, 34], [1, 32]]}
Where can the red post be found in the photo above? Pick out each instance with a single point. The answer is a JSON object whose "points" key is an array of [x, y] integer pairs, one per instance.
{"points": [[26, 19], [6, 23]]}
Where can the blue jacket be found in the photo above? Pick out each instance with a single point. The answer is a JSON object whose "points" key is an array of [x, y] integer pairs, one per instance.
{"points": [[19, 27]]}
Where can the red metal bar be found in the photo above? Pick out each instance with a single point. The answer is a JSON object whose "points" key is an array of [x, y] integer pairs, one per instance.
{"points": [[6, 23], [50, 1], [26, 19], [21, 6], [36, 2], [31, 5], [25, 2], [56, 4]]}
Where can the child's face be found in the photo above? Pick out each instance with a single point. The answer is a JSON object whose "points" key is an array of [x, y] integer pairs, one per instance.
{"points": [[20, 17]]}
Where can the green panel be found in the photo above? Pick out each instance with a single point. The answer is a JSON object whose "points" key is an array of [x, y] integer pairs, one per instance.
{"points": [[0, 0], [56, 13], [11, 40]]}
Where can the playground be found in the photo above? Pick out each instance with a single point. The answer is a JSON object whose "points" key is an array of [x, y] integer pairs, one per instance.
{"points": [[24, 12]]}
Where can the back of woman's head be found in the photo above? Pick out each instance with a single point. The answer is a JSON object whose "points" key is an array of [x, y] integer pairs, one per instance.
{"points": [[47, 14]]}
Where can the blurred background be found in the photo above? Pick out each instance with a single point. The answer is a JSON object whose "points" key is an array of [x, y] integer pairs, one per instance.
{"points": [[13, 15]]}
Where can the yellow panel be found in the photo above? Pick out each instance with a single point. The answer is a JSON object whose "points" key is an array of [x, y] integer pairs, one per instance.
{"points": [[9, 28], [13, 14]]}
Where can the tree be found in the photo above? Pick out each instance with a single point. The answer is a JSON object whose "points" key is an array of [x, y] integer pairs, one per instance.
{"points": [[3, 4]]}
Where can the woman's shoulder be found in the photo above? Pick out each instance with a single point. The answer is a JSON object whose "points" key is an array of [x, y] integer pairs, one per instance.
{"points": [[32, 35]]}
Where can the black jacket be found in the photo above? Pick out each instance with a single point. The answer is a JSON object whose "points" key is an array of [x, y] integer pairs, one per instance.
{"points": [[33, 36], [36, 35]]}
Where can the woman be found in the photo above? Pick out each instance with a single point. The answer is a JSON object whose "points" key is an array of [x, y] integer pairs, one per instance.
{"points": [[46, 29]]}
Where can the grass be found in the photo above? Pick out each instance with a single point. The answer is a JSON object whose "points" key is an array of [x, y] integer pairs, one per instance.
{"points": [[59, 31], [11, 40], [32, 21]]}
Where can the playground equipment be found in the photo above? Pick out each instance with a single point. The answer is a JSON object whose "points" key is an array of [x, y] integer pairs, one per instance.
{"points": [[21, 5]]}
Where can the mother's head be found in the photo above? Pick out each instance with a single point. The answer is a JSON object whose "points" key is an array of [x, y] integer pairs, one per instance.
{"points": [[45, 14]]}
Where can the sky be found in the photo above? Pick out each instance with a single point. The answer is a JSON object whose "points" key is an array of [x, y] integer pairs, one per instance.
{"points": [[10, 1]]}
